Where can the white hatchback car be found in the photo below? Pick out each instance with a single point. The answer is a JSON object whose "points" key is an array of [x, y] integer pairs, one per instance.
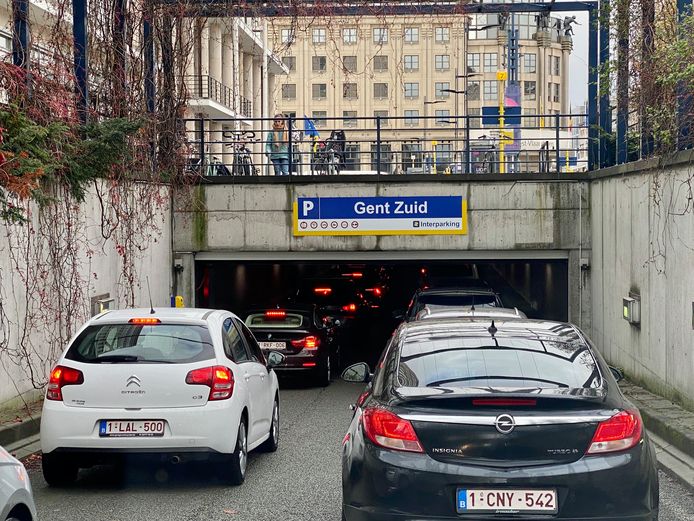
{"points": [[170, 384], [16, 499]]}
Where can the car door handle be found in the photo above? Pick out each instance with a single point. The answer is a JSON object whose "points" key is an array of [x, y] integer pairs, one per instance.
{"points": [[262, 375]]}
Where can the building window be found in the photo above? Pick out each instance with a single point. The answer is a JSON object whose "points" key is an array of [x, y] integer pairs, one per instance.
{"points": [[380, 35], [556, 65], [529, 90], [319, 35], [380, 90], [473, 91], [473, 62], [380, 63], [287, 35], [290, 62], [412, 117], [349, 63], [319, 117], [555, 93], [443, 34], [349, 118], [383, 114], [412, 90], [490, 62], [349, 91], [289, 91], [530, 122], [440, 87], [349, 35], [411, 34], [443, 117], [442, 62], [318, 63], [474, 121], [444, 154], [530, 63], [411, 62], [491, 90], [5, 42], [319, 91], [352, 156]]}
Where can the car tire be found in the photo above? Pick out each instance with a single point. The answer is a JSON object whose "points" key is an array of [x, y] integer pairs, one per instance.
{"points": [[58, 471], [271, 444], [324, 373], [233, 470]]}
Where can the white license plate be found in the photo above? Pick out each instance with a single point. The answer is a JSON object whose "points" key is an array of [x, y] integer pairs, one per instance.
{"points": [[506, 501], [272, 345], [131, 428]]}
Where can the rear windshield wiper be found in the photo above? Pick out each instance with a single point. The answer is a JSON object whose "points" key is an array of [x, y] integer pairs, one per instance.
{"points": [[492, 377]]}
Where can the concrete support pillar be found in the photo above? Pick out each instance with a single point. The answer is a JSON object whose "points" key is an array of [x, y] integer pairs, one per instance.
{"points": [[215, 51], [189, 46], [272, 95], [566, 46], [227, 59], [202, 65], [248, 76], [235, 65], [257, 101]]}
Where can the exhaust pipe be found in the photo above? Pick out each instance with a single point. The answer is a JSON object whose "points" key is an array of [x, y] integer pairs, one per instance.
{"points": [[175, 460]]}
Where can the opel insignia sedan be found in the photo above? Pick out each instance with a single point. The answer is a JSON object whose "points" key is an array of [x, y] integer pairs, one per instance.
{"points": [[476, 419], [16, 499], [169, 384]]}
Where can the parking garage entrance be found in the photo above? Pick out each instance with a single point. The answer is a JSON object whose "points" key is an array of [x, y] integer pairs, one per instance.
{"points": [[373, 293]]}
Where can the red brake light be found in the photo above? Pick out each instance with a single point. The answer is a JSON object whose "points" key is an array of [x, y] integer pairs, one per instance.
{"points": [[219, 379], [388, 430], [355, 275], [145, 321], [323, 291], [307, 342], [275, 313], [504, 402], [350, 308], [621, 432], [60, 377]]}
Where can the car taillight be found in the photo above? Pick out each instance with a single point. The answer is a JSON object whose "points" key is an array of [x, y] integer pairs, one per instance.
{"points": [[388, 430], [621, 432], [218, 378], [275, 313], [60, 377], [349, 308], [307, 342]]}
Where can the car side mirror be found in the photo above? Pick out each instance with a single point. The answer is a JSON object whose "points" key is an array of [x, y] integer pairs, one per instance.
{"points": [[357, 373], [274, 359], [617, 373]]}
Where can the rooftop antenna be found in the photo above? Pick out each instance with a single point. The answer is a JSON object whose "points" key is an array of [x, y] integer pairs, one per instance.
{"points": [[149, 292], [492, 329]]}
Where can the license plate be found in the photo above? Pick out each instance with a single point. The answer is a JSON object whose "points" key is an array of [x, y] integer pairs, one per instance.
{"points": [[131, 428], [506, 501], [272, 345]]}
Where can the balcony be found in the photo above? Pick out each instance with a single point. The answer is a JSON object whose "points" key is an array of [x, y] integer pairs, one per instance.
{"points": [[212, 98]]}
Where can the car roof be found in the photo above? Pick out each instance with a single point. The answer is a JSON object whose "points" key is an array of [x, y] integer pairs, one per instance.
{"points": [[473, 290], [545, 330], [196, 314], [429, 313]]}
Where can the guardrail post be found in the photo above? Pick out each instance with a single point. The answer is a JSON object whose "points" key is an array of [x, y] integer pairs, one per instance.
{"points": [[291, 144], [557, 141], [378, 145]]}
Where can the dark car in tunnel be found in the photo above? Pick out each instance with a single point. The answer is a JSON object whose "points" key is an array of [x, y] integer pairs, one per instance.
{"points": [[518, 419], [306, 340], [469, 297]]}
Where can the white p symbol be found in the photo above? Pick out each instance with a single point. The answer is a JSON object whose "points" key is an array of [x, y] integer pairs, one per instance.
{"points": [[307, 207]]}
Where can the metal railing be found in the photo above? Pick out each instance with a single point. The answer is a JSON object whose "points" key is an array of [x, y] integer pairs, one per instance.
{"points": [[528, 144], [207, 87]]}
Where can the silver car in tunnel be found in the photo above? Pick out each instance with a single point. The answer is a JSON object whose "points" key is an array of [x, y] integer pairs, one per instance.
{"points": [[16, 499]]}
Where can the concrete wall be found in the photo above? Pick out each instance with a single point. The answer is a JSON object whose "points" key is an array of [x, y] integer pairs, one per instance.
{"points": [[529, 218], [99, 270], [643, 241]]}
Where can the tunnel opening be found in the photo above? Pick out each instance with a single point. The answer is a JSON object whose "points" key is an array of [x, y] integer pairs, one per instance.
{"points": [[375, 293]]}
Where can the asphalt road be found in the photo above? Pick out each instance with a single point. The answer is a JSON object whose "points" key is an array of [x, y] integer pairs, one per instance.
{"points": [[299, 482]]}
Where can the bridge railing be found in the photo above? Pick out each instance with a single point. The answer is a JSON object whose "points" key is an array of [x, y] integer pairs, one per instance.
{"points": [[381, 145]]}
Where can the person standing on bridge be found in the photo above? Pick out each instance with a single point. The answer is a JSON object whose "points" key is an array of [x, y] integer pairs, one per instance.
{"points": [[277, 146]]}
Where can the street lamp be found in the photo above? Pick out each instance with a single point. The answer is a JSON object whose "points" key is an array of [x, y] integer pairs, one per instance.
{"points": [[426, 126]]}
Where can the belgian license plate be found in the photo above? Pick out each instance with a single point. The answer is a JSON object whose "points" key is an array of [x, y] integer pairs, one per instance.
{"points": [[272, 345], [131, 428], [506, 501]]}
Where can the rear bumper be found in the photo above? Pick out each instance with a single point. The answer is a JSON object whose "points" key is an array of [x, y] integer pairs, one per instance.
{"points": [[386, 485], [190, 429]]}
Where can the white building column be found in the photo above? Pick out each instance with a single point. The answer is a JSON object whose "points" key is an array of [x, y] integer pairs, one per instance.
{"points": [[236, 65], [248, 76], [215, 51], [228, 82]]}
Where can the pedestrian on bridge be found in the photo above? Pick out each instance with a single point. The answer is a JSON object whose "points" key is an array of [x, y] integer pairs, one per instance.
{"points": [[277, 145]]}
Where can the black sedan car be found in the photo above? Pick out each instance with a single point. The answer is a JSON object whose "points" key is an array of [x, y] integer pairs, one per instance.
{"points": [[301, 335], [468, 419]]}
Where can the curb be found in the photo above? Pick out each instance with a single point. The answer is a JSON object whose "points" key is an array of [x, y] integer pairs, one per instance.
{"points": [[683, 441], [16, 432]]}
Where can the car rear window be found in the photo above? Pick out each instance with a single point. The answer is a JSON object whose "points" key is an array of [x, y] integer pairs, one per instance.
{"points": [[289, 320], [519, 363], [128, 343], [457, 300]]}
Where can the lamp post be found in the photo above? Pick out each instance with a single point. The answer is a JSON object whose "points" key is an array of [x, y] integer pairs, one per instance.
{"points": [[426, 123]]}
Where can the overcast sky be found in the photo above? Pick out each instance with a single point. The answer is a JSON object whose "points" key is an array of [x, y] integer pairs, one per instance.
{"points": [[578, 74]]}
